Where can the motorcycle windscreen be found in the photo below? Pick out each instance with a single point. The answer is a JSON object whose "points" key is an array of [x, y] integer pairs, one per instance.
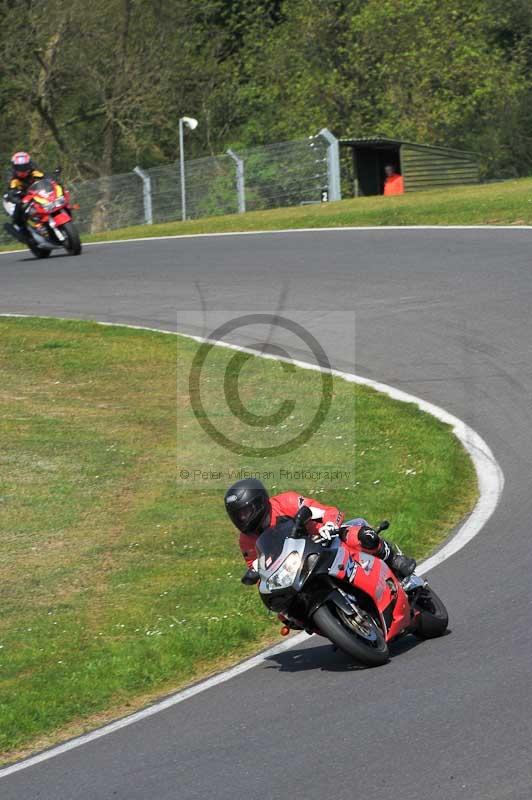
{"points": [[271, 542], [44, 186]]}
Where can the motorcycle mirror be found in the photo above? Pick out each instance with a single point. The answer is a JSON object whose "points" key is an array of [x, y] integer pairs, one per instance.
{"points": [[57, 171], [301, 518], [303, 515]]}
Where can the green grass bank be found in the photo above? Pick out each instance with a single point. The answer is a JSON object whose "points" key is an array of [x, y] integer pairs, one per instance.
{"points": [[119, 576]]}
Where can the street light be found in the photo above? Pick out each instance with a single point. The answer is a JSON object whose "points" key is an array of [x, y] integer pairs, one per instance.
{"points": [[191, 123]]}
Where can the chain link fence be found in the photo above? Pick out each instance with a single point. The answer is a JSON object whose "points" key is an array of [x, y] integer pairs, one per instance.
{"points": [[284, 174]]}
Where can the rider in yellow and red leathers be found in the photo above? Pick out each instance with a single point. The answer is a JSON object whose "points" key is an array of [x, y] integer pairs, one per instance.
{"points": [[23, 174]]}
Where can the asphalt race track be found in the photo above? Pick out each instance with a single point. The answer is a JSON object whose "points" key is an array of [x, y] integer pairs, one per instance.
{"points": [[445, 315]]}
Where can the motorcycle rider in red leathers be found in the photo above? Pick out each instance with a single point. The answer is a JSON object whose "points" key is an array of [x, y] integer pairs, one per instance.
{"points": [[252, 511]]}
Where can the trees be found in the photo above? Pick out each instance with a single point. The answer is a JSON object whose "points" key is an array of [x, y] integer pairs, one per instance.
{"points": [[434, 71], [100, 86]]}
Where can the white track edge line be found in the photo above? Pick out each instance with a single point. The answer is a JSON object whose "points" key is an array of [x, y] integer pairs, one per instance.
{"points": [[362, 228], [490, 481]]}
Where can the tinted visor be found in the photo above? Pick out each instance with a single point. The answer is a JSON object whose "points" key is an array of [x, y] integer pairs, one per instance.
{"points": [[245, 515], [248, 517]]}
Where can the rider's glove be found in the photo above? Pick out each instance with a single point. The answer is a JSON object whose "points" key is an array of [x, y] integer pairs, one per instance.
{"points": [[251, 577], [327, 531]]}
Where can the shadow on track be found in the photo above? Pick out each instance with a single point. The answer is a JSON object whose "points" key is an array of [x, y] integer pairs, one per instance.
{"points": [[59, 254], [327, 658]]}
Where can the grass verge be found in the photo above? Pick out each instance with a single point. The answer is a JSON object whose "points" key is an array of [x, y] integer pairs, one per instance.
{"points": [[506, 203], [119, 577]]}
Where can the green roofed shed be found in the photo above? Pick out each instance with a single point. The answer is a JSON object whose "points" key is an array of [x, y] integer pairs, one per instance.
{"points": [[422, 166]]}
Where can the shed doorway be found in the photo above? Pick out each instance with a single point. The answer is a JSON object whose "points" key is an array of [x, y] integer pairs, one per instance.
{"points": [[368, 168]]}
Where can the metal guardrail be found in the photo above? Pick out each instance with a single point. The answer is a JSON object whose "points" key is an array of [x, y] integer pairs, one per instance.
{"points": [[272, 176]]}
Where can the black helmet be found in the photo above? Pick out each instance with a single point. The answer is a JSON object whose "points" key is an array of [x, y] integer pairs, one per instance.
{"points": [[248, 505]]}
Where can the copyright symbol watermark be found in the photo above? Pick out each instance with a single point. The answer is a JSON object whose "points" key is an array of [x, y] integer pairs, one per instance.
{"points": [[292, 418]]}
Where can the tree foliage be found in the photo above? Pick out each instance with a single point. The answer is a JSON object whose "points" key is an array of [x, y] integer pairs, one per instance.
{"points": [[100, 86]]}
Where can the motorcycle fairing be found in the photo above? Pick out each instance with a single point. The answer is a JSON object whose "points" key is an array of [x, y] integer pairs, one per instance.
{"points": [[62, 217], [375, 579]]}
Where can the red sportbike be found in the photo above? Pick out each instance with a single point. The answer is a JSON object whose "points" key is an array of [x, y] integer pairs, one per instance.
{"points": [[48, 219], [352, 598]]}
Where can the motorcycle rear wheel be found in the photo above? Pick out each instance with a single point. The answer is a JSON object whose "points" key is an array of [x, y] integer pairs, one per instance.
{"points": [[39, 252], [433, 618], [364, 643]]}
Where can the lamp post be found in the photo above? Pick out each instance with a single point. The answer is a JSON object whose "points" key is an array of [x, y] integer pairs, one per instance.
{"points": [[191, 123]]}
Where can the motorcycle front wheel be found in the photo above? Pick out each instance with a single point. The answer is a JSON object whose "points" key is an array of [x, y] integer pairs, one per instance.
{"points": [[72, 243], [362, 639]]}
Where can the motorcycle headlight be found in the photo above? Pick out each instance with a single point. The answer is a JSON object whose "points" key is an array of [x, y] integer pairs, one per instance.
{"points": [[285, 575]]}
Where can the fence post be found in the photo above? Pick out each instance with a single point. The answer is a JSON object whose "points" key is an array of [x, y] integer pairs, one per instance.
{"points": [[146, 194], [333, 164], [240, 188]]}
